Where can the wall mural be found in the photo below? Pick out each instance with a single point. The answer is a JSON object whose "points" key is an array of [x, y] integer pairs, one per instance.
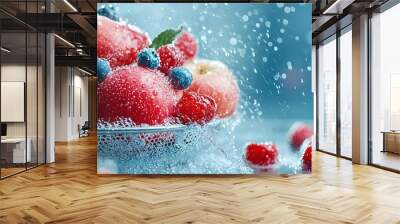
{"points": [[197, 88]]}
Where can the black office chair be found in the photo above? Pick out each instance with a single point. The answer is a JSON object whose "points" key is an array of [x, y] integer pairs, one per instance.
{"points": [[84, 130]]}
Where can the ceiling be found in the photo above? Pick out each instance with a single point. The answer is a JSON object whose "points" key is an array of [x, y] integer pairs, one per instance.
{"points": [[74, 21]]}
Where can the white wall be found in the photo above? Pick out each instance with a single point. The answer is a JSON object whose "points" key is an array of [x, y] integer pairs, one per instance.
{"points": [[33, 127], [70, 84]]}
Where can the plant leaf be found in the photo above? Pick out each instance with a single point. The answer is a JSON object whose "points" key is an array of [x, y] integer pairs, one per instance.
{"points": [[165, 37]]}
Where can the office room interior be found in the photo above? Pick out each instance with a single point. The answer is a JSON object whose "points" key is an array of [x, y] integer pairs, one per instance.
{"points": [[49, 156]]}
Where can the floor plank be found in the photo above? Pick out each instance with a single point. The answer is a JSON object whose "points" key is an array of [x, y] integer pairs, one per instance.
{"points": [[70, 191]]}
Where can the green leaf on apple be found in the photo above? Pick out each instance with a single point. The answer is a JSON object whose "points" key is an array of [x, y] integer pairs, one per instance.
{"points": [[165, 37]]}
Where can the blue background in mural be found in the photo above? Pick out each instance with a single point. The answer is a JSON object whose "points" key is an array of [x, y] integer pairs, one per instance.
{"points": [[268, 48], [266, 45]]}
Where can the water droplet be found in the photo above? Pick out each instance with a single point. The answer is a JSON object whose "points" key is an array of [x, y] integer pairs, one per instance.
{"points": [[283, 75], [289, 65], [245, 18], [287, 9], [268, 24], [280, 5], [233, 41], [279, 40], [265, 59], [285, 22]]}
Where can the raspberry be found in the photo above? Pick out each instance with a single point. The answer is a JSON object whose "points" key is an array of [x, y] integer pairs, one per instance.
{"points": [[148, 58], [103, 68], [170, 58], [261, 155], [137, 93], [181, 77], [298, 133], [195, 108], [119, 43], [187, 45], [307, 159]]}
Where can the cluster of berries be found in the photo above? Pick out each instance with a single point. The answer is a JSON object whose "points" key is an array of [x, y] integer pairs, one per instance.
{"points": [[147, 82], [263, 156]]}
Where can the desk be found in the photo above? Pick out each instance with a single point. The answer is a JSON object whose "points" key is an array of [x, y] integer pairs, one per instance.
{"points": [[391, 141], [15, 148]]}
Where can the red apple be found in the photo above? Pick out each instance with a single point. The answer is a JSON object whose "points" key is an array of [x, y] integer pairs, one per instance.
{"points": [[119, 43], [215, 80], [145, 96]]}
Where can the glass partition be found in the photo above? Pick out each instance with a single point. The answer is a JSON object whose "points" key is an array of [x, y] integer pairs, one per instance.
{"points": [[327, 96], [14, 153], [22, 88]]}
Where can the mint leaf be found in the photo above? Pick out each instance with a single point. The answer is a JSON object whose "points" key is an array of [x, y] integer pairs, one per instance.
{"points": [[165, 37]]}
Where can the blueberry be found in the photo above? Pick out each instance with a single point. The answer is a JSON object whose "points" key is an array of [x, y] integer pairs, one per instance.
{"points": [[181, 77], [108, 11], [148, 58], [103, 68]]}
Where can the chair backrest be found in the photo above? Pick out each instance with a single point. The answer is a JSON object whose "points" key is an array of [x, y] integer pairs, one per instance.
{"points": [[86, 125]]}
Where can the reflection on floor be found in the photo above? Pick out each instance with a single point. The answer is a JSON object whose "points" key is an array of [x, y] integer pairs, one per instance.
{"points": [[11, 169], [70, 191], [387, 159]]}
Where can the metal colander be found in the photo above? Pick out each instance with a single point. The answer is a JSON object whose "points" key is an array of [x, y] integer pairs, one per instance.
{"points": [[125, 142]]}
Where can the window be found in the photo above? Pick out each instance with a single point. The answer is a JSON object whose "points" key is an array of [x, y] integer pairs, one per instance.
{"points": [[327, 96], [346, 92], [385, 89]]}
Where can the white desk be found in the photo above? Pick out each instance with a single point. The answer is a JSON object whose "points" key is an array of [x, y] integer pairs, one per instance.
{"points": [[17, 147]]}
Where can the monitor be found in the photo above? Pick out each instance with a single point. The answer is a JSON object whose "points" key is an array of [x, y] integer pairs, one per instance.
{"points": [[3, 129]]}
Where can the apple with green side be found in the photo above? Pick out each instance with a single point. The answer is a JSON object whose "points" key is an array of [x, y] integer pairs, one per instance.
{"points": [[215, 80]]}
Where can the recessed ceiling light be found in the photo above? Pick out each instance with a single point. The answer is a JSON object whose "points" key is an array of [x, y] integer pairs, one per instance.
{"points": [[64, 40], [70, 5], [84, 71], [5, 50]]}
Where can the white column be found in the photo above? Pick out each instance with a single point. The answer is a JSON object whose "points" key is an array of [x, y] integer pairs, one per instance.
{"points": [[360, 90], [50, 92], [50, 99]]}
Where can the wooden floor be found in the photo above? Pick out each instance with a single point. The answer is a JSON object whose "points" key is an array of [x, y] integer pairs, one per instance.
{"points": [[70, 191]]}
